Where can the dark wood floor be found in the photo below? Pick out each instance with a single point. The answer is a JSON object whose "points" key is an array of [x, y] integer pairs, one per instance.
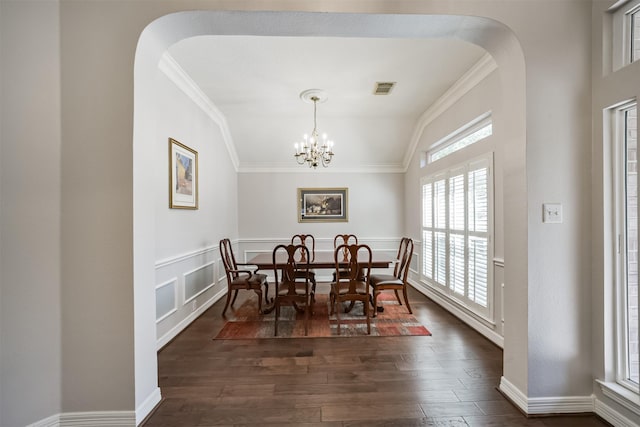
{"points": [[448, 379]]}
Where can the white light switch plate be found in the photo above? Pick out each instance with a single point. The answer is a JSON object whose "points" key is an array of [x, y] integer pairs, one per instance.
{"points": [[552, 213]]}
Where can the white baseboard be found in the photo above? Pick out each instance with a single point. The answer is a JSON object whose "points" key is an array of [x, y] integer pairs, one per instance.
{"points": [[147, 406], [162, 341], [89, 419], [612, 416], [546, 405], [478, 326]]}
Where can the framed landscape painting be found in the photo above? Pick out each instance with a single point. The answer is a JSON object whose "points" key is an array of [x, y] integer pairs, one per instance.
{"points": [[183, 176], [322, 205]]}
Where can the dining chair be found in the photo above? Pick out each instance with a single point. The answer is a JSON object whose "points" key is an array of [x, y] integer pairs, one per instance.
{"points": [[352, 280], [343, 239], [309, 242], [396, 281], [238, 279], [289, 289]]}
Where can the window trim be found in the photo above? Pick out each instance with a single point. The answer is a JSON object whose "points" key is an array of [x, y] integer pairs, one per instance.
{"points": [[620, 254], [485, 314], [457, 135], [623, 32]]}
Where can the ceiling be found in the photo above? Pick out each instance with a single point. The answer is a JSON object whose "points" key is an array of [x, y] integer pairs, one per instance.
{"points": [[255, 82]]}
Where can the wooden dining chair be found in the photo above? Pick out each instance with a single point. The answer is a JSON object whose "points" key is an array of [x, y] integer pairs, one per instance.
{"points": [[352, 280], [396, 281], [309, 242], [237, 279], [343, 239], [290, 290]]}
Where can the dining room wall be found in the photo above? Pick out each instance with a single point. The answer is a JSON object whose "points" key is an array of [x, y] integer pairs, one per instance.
{"points": [[188, 270]]}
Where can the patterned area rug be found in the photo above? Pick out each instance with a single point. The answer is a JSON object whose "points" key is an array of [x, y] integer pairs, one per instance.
{"points": [[395, 320]]}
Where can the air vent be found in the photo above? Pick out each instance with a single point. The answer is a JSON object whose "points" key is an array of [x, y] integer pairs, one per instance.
{"points": [[383, 88]]}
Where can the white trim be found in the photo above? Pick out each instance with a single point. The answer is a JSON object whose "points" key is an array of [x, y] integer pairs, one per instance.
{"points": [[147, 406], [478, 324], [181, 257], [84, 419], [611, 415], [174, 282], [163, 340], [485, 66], [206, 288], [181, 79], [546, 405], [621, 395]]}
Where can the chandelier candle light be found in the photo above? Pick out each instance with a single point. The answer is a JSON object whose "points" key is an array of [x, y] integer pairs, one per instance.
{"points": [[312, 151]]}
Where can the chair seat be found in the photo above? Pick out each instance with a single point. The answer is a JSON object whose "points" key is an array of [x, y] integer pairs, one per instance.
{"points": [[299, 289], [255, 279], [385, 280], [343, 288]]}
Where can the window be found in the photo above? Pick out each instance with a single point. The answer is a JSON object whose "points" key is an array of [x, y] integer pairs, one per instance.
{"points": [[628, 362], [471, 133], [626, 33], [456, 226]]}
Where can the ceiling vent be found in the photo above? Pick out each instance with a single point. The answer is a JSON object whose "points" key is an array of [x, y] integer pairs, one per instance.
{"points": [[383, 88]]}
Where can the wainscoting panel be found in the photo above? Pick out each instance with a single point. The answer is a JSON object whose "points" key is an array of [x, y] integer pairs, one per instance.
{"points": [[166, 299], [198, 281], [187, 284]]}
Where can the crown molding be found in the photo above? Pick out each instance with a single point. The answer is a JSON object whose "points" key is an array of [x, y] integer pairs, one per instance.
{"points": [[181, 79], [480, 70]]}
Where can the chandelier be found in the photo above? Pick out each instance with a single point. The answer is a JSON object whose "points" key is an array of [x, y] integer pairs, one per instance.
{"points": [[312, 150]]}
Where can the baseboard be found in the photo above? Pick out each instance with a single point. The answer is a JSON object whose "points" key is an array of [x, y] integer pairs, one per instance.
{"points": [[173, 332], [89, 419], [478, 326], [546, 405], [143, 410], [612, 416]]}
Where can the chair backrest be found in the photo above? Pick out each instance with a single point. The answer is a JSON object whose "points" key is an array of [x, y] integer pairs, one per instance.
{"points": [[292, 254], [228, 259], [344, 239], [305, 240], [358, 265], [405, 252]]}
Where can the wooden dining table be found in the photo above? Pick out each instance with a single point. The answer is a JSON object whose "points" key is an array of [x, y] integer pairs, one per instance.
{"points": [[264, 261]]}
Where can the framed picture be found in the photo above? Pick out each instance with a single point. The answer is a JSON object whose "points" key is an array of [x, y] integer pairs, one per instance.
{"points": [[322, 205], [183, 176]]}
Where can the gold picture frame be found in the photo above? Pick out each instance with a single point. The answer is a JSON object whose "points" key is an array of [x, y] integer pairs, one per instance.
{"points": [[183, 176], [323, 205]]}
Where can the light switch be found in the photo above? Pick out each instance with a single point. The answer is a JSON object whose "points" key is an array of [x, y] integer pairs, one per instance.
{"points": [[552, 213]]}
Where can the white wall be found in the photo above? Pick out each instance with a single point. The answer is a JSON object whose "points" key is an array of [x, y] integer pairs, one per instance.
{"points": [[268, 207], [106, 350], [484, 97], [187, 240], [609, 88], [30, 285]]}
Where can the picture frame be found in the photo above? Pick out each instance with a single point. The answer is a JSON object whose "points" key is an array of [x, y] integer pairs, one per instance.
{"points": [[323, 205], [183, 176]]}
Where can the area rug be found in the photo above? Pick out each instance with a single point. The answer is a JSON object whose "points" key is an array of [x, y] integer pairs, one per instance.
{"points": [[245, 322]]}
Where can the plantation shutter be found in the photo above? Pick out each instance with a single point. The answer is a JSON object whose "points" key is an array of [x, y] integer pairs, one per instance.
{"points": [[440, 237], [478, 215], [427, 233]]}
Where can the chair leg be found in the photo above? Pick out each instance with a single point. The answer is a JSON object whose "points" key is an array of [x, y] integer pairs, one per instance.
{"points": [[266, 292], [406, 300], [259, 292], [348, 309], [277, 315], [337, 301], [375, 303], [226, 305], [366, 313], [398, 296], [235, 295], [306, 317]]}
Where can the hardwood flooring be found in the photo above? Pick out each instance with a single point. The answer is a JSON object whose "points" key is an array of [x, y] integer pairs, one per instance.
{"points": [[448, 379]]}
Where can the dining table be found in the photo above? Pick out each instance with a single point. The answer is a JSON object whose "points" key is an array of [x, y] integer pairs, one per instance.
{"points": [[264, 261]]}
